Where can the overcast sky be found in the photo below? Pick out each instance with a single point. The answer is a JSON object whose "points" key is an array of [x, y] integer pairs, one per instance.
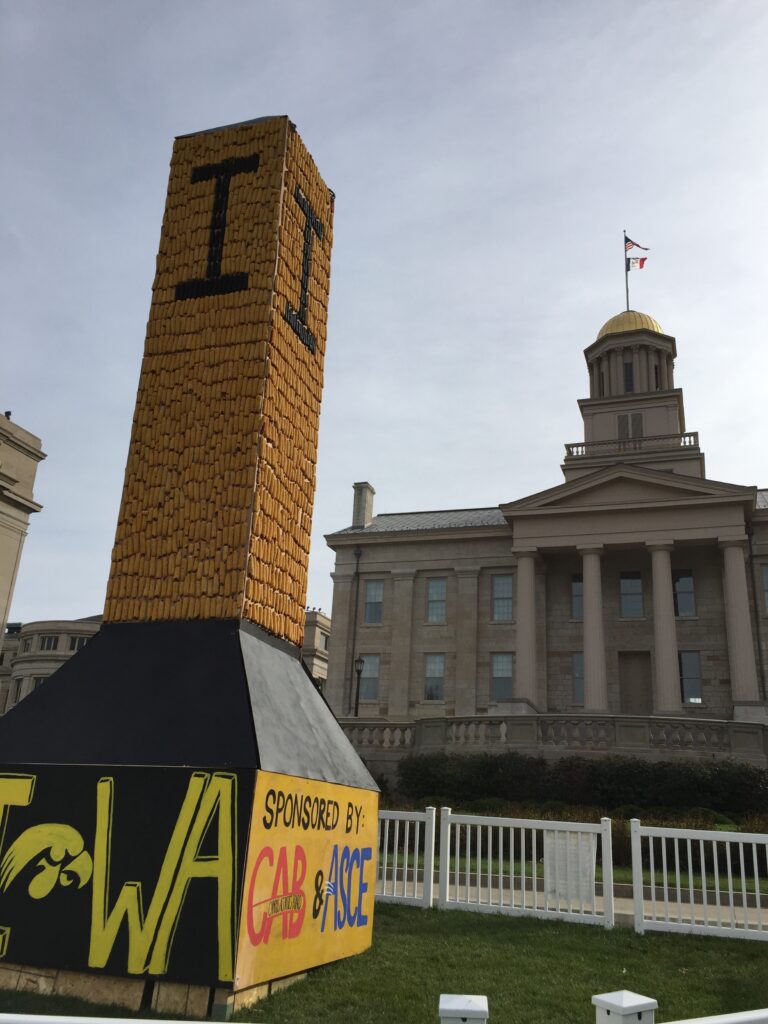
{"points": [[485, 157]]}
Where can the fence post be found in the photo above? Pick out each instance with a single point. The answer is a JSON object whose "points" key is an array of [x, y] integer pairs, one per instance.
{"points": [[637, 875], [607, 845], [428, 873], [624, 1007], [445, 857]]}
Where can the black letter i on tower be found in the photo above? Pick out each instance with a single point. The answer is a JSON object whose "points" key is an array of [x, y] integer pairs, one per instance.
{"points": [[214, 283]]}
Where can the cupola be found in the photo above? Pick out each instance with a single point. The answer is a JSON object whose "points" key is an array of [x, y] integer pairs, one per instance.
{"points": [[630, 355], [634, 412]]}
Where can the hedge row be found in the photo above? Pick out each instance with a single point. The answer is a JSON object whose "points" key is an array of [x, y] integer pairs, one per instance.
{"points": [[727, 786]]}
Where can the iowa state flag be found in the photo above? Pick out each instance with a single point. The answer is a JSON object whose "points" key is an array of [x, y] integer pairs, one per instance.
{"points": [[635, 262]]}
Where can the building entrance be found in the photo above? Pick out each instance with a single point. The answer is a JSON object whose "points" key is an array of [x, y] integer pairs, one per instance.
{"points": [[635, 692]]}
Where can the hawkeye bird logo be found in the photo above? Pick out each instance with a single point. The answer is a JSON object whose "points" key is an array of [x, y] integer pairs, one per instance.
{"points": [[63, 859]]}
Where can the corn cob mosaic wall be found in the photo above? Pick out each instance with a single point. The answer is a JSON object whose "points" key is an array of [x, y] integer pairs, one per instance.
{"points": [[217, 502]]}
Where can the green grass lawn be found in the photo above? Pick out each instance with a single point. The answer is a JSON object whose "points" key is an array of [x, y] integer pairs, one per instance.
{"points": [[533, 972]]}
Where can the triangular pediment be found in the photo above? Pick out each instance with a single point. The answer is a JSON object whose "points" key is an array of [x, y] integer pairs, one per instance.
{"points": [[623, 485]]}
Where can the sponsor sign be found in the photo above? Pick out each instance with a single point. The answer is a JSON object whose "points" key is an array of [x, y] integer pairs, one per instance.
{"points": [[310, 877]]}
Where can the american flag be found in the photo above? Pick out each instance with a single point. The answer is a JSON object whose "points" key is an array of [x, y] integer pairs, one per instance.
{"points": [[629, 244]]}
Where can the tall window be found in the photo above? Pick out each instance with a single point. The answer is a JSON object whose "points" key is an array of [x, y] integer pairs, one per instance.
{"points": [[434, 676], [77, 642], [374, 601], [690, 676], [369, 679], [631, 593], [577, 596], [26, 644], [765, 587], [49, 643], [324, 641], [502, 671], [629, 378], [577, 675], [630, 425], [436, 600], [682, 582], [37, 680], [501, 598]]}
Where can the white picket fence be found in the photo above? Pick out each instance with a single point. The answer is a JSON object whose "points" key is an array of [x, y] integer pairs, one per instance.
{"points": [[703, 882], [406, 863], [492, 865], [497, 865], [684, 880]]}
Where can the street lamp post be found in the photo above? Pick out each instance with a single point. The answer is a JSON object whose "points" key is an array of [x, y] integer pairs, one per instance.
{"points": [[359, 666]]}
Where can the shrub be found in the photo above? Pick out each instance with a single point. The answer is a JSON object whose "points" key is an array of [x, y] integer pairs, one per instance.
{"points": [[663, 787]]}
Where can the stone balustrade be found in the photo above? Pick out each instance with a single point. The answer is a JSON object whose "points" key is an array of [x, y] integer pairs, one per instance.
{"points": [[632, 444], [382, 744]]}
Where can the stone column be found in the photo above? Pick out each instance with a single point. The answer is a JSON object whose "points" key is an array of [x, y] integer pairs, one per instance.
{"points": [[666, 695], [337, 689], [603, 374], [595, 676], [616, 388], [738, 625], [525, 667], [636, 368], [649, 368], [643, 361], [400, 658], [466, 642], [664, 371]]}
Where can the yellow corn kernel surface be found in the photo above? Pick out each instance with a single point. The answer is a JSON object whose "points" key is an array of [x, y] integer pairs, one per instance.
{"points": [[219, 485]]}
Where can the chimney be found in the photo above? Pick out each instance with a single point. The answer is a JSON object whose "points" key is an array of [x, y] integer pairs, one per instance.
{"points": [[362, 509]]}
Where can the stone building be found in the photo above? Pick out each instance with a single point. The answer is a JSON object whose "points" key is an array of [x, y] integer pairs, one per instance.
{"points": [[35, 650], [624, 610], [314, 651], [20, 453]]}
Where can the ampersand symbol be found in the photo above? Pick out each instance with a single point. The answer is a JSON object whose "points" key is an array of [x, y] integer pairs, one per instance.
{"points": [[317, 902]]}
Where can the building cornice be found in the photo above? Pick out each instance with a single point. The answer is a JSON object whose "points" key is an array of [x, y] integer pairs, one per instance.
{"points": [[337, 540]]}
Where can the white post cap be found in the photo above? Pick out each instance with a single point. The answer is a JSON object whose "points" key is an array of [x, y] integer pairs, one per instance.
{"points": [[624, 1003], [459, 1008]]}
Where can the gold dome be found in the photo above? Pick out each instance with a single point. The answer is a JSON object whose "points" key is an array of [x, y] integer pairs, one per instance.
{"points": [[629, 320]]}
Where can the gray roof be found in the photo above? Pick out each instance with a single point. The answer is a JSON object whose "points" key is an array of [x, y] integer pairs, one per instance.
{"points": [[451, 519]]}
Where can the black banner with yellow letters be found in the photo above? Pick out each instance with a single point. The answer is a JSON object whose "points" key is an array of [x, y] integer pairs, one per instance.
{"points": [[123, 870]]}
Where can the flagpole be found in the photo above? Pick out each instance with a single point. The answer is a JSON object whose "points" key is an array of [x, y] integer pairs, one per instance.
{"points": [[626, 269]]}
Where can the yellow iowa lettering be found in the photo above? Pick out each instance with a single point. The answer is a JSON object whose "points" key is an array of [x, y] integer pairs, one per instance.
{"points": [[218, 800], [180, 864], [15, 791]]}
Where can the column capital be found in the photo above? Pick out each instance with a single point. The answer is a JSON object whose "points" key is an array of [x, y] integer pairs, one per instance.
{"points": [[522, 552], [590, 549], [342, 577], [660, 545], [732, 542]]}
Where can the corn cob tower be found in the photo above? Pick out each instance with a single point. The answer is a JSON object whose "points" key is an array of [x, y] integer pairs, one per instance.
{"points": [[219, 486], [192, 699]]}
